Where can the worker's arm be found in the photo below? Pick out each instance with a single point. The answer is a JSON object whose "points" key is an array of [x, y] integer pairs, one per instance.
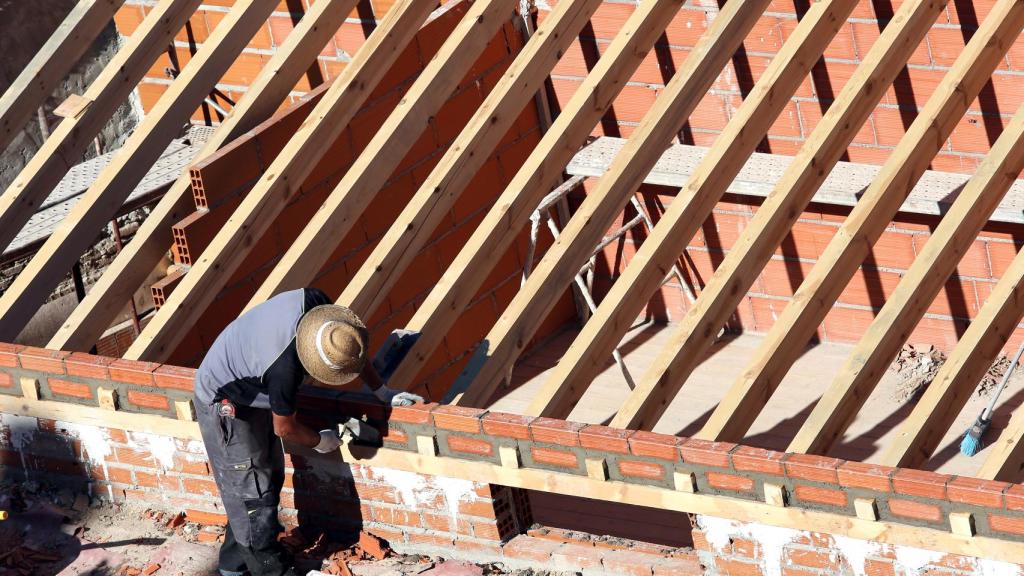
{"points": [[289, 428], [376, 386], [371, 378]]}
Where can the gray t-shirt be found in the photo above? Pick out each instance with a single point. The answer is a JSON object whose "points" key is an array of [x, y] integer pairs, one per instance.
{"points": [[253, 362]]}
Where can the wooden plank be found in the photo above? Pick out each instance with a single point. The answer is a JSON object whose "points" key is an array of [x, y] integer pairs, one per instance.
{"points": [[286, 174], [587, 355], [345, 204], [698, 329], [575, 245], [438, 193], [106, 195], [852, 244], [70, 139], [428, 462], [541, 171], [1005, 460], [52, 64], [270, 88], [920, 433]]}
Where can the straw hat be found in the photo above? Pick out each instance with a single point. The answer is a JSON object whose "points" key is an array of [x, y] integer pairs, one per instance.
{"points": [[332, 344]]}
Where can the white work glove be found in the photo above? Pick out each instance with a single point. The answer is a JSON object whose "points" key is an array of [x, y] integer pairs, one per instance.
{"points": [[329, 441], [393, 397]]}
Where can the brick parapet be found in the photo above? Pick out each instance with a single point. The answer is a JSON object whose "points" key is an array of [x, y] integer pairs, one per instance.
{"points": [[812, 482]]}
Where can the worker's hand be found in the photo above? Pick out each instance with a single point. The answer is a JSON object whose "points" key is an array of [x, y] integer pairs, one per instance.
{"points": [[329, 441], [393, 397]]}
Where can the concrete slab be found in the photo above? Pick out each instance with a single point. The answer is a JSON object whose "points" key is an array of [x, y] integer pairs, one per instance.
{"points": [[779, 421]]}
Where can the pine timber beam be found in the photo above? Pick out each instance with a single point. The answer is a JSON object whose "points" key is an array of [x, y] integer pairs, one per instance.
{"points": [[106, 195], [376, 164], [541, 172], [698, 329], [1005, 460], [139, 257], [920, 433], [584, 231], [330, 117], [587, 355], [52, 63], [436, 196], [70, 139], [851, 245]]}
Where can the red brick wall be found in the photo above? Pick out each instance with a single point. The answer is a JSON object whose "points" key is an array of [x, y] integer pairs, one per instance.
{"points": [[335, 56], [960, 300], [457, 515], [221, 181], [968, 144], [463, 517]]}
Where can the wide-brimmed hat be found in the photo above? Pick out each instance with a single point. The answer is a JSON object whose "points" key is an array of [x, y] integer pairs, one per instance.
{"points": [[332, 344]]}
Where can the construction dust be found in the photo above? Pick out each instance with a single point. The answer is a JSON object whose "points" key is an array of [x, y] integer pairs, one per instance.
{"points": [[916, 368]]}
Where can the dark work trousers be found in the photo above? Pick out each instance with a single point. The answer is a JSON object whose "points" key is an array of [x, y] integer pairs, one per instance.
{"points": [[248, 465]]}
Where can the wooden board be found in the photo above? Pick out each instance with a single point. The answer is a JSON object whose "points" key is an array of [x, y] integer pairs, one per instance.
{"points": [[51, 64], [1006, 459], [133, 265], [555, 271], [106, 195], [69, 140], [632, 290], [437, 194], [375, 165], [541, 171], [285, 175], [741, 266], [921, 432], [852, 244]]}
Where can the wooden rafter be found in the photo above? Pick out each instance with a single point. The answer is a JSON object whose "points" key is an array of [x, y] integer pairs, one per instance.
{"points": [[554, 273], [52, 64], [437, 194], [587, 355], [541, 171], [284, 177], [699, 327], [851, 244], [919, 435], [106, 195], [460, 163], [1006, 459], [69, 140], [269, 89]]}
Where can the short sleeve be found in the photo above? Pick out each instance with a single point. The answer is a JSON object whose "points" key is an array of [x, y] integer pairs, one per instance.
{"points": [[283, 379], [314, 297]]}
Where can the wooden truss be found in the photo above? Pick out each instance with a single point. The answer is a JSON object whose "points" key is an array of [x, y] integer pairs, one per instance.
{"points": [[440, 190]]}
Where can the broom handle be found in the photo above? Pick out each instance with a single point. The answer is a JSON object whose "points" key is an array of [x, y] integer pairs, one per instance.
{"points": [[1006, 378]]}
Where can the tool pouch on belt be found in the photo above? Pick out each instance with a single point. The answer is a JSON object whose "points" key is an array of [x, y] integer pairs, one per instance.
{"points": [[263, 524]]}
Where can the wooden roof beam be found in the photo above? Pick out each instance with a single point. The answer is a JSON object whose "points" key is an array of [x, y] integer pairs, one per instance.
{"points": [[699, 328], [69, 140], [134, 263], [541, 171], [920, 433], [576, 244], [106, 195], [1005, 460], [436, 196], [589, 352], [849, 248], [330, 117], [52, 63]]}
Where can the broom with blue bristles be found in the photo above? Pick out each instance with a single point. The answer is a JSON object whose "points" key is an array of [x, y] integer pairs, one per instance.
{"points": [[971, 444]]}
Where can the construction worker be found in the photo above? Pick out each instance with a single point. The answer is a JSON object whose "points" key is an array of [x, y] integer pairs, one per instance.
{"points": [[245, 397]]}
